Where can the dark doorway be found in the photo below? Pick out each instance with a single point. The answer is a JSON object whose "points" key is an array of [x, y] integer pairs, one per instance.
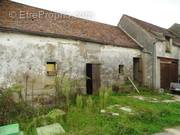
{"points": [[168, 72], [93, 78], [137, 70]]}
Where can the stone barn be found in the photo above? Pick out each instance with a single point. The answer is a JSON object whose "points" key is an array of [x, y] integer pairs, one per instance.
{"points": [[41, 44], [38, 45], [161, 51]]}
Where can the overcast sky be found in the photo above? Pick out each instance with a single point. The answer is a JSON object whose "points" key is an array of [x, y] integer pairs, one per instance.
{"points": [[160, 12]]}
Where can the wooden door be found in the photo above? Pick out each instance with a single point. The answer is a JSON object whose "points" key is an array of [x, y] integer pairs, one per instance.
{"points": [[137, 70], [168, 72], [96, 77]]}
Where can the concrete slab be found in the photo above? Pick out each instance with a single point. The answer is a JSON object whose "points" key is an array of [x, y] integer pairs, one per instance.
{"points": [[53, 129], [10, 129], [164, 133], [170, 131], [126, 109], [175, 98]]}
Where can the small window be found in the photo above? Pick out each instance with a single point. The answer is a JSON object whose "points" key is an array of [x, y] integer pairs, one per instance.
{"points": [[167, 38], [51, 68], [121, 69], [168, 44]]}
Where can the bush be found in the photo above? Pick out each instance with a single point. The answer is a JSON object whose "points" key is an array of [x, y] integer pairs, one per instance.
{"points": [[6, 106], [9, 109]]}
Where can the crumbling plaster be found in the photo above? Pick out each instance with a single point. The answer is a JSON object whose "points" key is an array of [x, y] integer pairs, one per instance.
{"points": [[161, 52], [141, 36], [21, 54]]}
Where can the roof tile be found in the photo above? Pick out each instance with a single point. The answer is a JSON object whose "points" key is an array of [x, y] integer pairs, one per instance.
{"points": [[60, 25]]}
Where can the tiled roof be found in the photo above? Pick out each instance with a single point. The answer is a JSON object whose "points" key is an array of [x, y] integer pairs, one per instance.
{"points": [[175, 28], [147, 26], [156, 31], [40, 21]]}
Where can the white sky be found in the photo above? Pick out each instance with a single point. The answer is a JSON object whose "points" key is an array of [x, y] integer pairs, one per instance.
{"points": [[159, 12]]}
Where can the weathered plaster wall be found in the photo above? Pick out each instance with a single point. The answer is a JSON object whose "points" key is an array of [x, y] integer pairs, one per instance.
{"points": [[137, 33], [22, 54], [147, 65], [112, 57], [161, 52], [152, 50], [144, 39]]}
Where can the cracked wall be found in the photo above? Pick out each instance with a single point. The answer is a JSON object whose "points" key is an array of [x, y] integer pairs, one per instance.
{"points": [[22, 54], [161, 52]]}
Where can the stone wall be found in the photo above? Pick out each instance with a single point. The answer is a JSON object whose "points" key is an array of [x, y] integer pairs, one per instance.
{"points": [[146, 41], [161, 52], [22, 54]]}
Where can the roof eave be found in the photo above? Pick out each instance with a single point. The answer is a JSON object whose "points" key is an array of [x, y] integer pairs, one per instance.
{"points": [[53, 35]]}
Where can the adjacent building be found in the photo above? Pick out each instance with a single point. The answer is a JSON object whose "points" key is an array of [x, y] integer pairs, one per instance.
{"points": [[160, 54]]}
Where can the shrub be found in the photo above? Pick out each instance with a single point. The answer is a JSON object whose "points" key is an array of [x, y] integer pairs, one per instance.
{"points": [[6, 106], [9, 108], [16, 88]]}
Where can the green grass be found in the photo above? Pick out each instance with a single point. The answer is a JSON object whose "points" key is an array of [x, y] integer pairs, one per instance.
{"points": [[146, 118]]}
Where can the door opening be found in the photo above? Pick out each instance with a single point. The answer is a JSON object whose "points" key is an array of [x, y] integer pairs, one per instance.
{"points": [[137, 70], [92, 78]]}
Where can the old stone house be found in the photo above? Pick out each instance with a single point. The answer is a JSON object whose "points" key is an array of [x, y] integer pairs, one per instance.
{"points": [[42, 44], [161, 51]]}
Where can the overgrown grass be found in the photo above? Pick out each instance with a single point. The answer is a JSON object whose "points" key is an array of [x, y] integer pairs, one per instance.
{"points": [[148, 118], [85, 118]]}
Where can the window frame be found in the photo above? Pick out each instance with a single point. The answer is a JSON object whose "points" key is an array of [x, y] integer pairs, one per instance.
{"points": [[51, 72]]}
